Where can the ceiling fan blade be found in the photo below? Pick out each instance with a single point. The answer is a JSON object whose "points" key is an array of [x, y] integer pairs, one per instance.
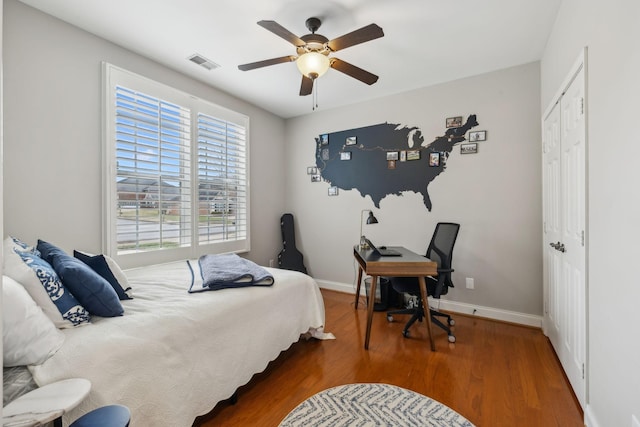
{"points": [[266, 62], [306, 87], [353, 71], [364, 34], [280, 31]]}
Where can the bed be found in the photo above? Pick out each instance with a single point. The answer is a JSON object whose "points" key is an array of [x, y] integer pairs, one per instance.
{"points": [[173, 355]]}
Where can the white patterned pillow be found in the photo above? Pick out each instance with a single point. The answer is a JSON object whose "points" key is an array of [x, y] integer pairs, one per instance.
{"points": [[20, 245], [15, 268], [28, 336], [43, 285]]}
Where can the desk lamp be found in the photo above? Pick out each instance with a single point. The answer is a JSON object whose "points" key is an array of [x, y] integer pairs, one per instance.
{"points": [[370, 220]]}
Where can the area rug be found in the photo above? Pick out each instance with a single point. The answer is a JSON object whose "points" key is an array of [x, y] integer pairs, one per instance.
{"points": [[366, 405]]}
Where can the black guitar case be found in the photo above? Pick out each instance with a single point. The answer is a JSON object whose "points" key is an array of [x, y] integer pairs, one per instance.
{"points": [[289, 257]]}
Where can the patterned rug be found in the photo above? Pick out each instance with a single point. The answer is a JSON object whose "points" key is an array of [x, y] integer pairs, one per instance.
{"points": [[372, 405]]}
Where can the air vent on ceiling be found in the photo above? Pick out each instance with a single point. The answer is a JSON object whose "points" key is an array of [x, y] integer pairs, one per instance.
{"points": [[203, 62]]}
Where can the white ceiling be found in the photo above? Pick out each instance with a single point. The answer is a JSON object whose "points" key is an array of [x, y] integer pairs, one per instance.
{"points": [[426, 42]]}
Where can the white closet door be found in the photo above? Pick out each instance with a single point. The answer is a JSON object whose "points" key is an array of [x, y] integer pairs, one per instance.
{"points": [[552, 224], [564, 214]]}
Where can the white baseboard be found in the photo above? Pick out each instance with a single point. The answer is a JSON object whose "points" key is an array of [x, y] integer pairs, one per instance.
{"points": [[491, 313], [589, 418], [453, 306], [340, 287]]}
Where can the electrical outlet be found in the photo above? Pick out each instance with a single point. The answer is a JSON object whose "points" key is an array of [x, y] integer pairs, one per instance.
{"points": [[470, 283], [270, 263], [634, 421]]}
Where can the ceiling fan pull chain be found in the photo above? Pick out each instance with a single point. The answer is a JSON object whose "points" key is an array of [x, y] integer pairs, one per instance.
{"points": [[315, 95]]}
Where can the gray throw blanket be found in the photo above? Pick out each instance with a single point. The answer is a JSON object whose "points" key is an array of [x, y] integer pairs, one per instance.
{"points": [[231, 271]]}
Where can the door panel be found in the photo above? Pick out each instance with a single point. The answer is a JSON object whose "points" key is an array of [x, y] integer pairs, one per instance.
{"points": [[564, 215], [573, 232], [552, 223]]}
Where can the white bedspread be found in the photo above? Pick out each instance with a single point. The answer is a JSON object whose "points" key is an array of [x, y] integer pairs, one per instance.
{"points": [[174, 355]]}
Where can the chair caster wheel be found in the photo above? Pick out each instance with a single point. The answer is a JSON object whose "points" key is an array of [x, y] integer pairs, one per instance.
{"points": [[389, 318], [452, 322], [452, 338], [405, 334]]}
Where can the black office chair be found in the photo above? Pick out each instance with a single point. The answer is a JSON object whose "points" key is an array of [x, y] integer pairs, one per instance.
{"points": [[440, 250]]}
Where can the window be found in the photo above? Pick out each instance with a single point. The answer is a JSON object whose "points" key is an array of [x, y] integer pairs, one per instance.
{"points": [[177, 173], [222, 175]]}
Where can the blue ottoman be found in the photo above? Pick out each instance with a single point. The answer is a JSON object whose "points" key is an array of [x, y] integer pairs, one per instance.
{"points": [[107, 416]]}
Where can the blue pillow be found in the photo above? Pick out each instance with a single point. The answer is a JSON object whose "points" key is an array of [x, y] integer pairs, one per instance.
{"points": [[99, 264], [62, 298], [93, 292]]}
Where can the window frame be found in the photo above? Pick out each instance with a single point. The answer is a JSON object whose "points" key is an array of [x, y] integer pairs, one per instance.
{"points": [[114, 76]]}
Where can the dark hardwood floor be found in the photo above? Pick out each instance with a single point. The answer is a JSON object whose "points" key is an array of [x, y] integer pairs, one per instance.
{"points": [[496, 374]]}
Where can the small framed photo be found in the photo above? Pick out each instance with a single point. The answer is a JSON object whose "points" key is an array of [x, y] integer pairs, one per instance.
{"points": [[479, 135], [324, 139], [403, 156], [391, 164], [316, 178], [434, 159], [325, 154], [312, 170], [413, 155], [345, 155], [470, 148], [392, 155], [351, 140], [454, 122], [332, 191]]}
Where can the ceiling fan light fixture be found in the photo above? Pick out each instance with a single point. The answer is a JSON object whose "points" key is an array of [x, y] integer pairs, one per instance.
{"points": [[313, 64]]}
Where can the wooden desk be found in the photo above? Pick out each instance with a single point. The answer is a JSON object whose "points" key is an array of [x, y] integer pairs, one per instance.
{"points": [[409, 264]]}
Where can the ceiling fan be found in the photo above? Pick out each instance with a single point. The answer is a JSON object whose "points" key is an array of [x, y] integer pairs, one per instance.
{"points": [[313, 51]]}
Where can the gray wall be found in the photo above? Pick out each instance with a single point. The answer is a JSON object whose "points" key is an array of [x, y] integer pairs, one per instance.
{"points": [[53, 134], [495, 194], [52, 172], [610, 31]]}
